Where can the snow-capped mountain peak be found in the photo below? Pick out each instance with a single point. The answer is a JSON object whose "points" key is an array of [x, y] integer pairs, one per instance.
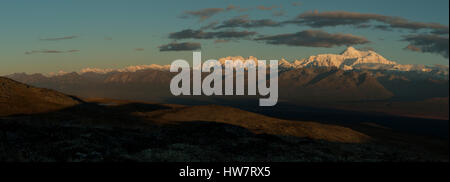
{"points": [[352, 52], [351, 58], [126, 69]]}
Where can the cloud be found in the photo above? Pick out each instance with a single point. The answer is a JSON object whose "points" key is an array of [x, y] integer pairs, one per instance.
{"points": [[200, 34], [206, 13], [428, 43], [221, 41], [202, 14], [266, 8], [237, 8], [314, 38], [185, 46], [50, 51], [43, 51], [59, 38], [245, 22], [363, 26], [334, 18], [210, 25], [440, 31], [413, 48], [317, 19], [383, 27]]}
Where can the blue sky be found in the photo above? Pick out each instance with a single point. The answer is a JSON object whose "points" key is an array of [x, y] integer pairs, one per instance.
{"points": [[108, 32]]}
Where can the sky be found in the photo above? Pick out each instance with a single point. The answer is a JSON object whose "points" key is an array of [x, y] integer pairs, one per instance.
{"points": [[67, 35]]}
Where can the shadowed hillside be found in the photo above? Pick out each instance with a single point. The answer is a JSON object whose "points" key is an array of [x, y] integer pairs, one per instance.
{"points": [[363, 90], [18, 98]]}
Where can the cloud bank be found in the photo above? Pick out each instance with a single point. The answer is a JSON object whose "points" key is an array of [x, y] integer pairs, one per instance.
{"points": [[59, 38], [50, 51], [245, 22], [314, 38], [204, 14], [200, 34], [428, 43], [185, 46], [317, 19]]}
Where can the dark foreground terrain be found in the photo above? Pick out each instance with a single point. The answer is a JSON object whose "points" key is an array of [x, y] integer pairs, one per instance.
{"points": [[152, 132], [36, 127]]}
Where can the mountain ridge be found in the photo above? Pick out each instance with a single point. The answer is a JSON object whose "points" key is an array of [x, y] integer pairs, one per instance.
{"points": [[349, 59], [372, 77], [18, 98]]}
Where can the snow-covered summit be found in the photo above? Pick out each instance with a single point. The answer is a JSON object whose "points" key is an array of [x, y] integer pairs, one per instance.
{"points": [[350, 59]]}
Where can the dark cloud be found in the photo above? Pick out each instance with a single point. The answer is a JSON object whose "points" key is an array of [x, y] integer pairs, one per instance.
{"points": [[245, 22], [59, 38], [200, 34], [383, 27], [185, 46], [363, 26], [413, 48], [318, 20], [443, 31], [314, 38], [405, 24], [221, 41], [210, 25], [233, 34], [334, 18], [428, 43], [237, 8], [190, 34], [50, 51], [44, 51], [202, 14]]}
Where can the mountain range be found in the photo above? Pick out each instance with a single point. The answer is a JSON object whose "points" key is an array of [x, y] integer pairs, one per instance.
{"points": [[353, 75], [349, 59]]}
